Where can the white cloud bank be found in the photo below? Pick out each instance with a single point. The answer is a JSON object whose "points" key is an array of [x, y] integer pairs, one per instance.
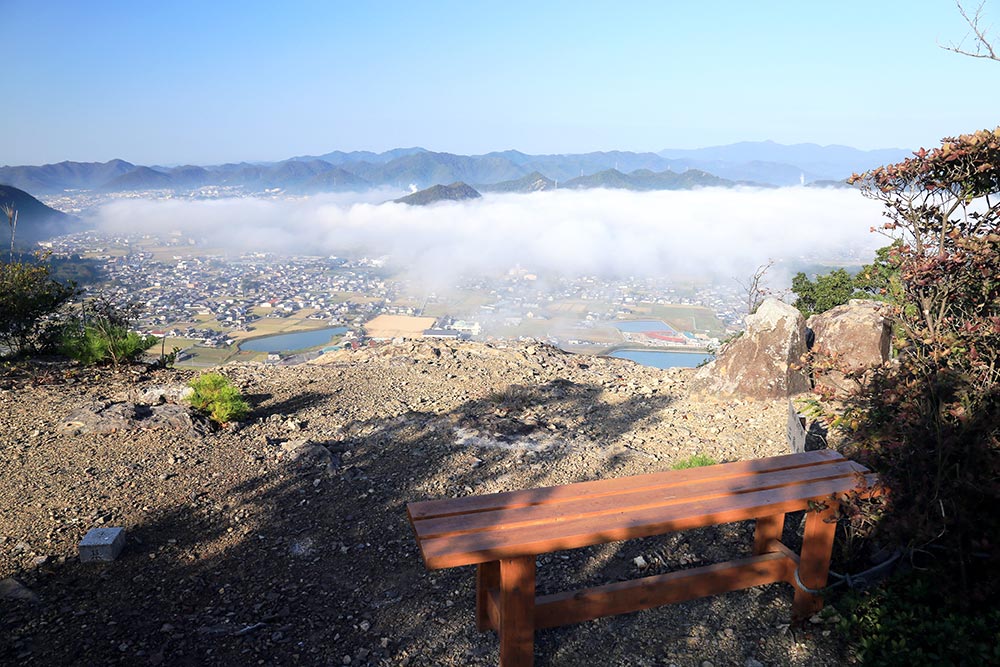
{"points": [[723, 232]]}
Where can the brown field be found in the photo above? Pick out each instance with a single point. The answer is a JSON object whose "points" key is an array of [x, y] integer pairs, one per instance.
{"points": [[391, 326]]}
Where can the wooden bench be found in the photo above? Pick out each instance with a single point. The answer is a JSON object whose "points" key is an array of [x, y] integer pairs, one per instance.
{"points": [[503, 532]]}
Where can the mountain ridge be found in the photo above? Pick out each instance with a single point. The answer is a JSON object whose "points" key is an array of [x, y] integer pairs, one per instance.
{"points": [[35, 221], [765, 163], [457, 191]]}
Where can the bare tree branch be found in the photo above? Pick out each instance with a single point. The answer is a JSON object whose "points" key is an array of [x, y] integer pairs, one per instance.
{"points": [[983, 46], [754, 289]]}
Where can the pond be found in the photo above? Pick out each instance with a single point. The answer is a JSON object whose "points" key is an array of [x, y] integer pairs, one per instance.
{"points": [[301, 340], [663, 358]]}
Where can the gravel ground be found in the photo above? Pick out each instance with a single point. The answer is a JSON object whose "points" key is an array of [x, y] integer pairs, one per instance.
{"points": [[284, 540]]}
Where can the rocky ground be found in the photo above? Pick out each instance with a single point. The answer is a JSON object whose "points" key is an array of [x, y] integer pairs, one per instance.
{"points": [[284, 540]]}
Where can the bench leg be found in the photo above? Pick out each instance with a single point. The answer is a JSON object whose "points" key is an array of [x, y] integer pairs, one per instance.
{"points": [[768, 529], [814, 562], [487, 580], [517, 611]]}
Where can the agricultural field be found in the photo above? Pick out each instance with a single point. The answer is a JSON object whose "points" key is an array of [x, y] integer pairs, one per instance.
{"points": [[391, 326], [569, 308], [696, 319]]}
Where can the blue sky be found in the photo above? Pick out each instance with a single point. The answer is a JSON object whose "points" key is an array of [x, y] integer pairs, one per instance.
{"points": [[208, 82]]}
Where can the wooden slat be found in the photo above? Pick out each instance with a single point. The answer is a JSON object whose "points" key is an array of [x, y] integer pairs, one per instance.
{"points": [[632, 501], [486, 546], [627, 596], [569, 492]]}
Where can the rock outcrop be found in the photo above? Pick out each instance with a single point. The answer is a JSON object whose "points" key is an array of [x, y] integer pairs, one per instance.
{"points": [[765, 361], [853, 337], [119, 417]]}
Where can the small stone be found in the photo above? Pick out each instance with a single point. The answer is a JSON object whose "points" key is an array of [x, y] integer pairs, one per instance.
{"points": [[102, 544], [816, 619], [753, 662], [364, 625], [166, 627], [640, 562], [707, 663]]}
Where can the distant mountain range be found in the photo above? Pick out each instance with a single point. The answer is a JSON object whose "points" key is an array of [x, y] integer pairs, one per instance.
{"points": [[760, 163], [35, 221]]}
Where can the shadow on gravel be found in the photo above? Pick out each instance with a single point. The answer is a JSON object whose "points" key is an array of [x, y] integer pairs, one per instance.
{"points": [[317, 565], [257, 400], [288, 406]]}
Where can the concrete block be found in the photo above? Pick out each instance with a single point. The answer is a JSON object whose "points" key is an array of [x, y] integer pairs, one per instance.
{"points": [[102, 544]]}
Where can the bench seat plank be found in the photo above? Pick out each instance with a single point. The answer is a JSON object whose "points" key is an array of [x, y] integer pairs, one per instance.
{"points": [[485, 546], [571, 492], [630, 501]]}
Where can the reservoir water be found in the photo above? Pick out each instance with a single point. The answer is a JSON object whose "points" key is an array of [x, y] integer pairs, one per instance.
{"points": [[301, 340], [663, 358]]}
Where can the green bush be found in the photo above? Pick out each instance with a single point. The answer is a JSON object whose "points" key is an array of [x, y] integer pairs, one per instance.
{"points": [[929, 423], [694, 461], [91, 344], [913, 620], [100, 332], [878, 280], [218, 398], [29, 297]]}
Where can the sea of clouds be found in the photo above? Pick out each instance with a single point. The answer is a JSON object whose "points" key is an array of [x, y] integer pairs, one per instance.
{"points": [[708, 232]]}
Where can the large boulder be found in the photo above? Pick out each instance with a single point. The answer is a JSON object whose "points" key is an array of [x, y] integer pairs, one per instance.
{"points": [[765, 361], [851, 337]]}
